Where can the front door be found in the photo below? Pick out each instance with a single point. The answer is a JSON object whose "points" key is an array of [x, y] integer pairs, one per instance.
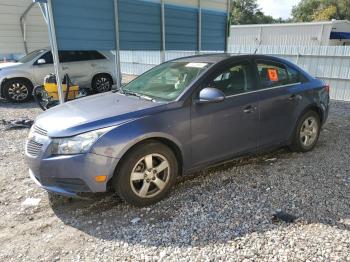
{"points": [[44, 68], [228, 128]]}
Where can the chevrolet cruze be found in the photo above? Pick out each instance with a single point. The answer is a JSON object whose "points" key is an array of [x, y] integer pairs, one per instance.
{"points": [[179, 117]]}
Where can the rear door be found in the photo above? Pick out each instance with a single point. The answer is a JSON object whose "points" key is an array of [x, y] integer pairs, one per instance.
{"points": [[228, 128], [77, 65], [278, 105]]}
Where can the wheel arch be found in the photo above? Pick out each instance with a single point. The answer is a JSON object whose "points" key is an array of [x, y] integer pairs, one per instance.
{"points": [[312, 107], [316, 108], [174, 147], [101, 73]]}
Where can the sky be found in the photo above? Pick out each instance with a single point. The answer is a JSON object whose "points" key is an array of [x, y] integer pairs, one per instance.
{"points": [[277, 8]]}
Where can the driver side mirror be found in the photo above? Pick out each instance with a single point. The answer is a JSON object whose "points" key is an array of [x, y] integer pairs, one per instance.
{"points": [[210, 95], [41, 61]]}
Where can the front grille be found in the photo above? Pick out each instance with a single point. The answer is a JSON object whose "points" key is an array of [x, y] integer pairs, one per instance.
{"points": [[40, 131], [33, 148]]}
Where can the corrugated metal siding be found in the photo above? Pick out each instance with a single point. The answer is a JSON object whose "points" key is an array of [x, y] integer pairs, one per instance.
{"points": [[218, 5], [303, 35], [140, 25], [181, 27], [213, 30], [75, 29], [138, 62], [11, 40], [330, 63], [37, 35]]}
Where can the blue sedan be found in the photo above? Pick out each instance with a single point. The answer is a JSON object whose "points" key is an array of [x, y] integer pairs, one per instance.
{"points": [[181, 116]]}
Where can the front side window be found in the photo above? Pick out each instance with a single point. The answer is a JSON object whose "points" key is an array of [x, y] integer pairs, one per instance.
{"points": [[31, 56], [47, 57], [166, 81], [235, 80]]}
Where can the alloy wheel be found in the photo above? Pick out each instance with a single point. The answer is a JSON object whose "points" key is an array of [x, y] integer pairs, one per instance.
{"points": [[103, 84], [309, 131], [150, 175], [18, 91]]}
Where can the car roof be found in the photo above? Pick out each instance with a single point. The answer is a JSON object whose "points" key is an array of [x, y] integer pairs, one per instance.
{"points": [[216, 58]]}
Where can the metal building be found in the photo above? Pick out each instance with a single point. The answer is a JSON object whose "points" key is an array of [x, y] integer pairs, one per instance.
{"points": [[22, 28], [327, 33]]}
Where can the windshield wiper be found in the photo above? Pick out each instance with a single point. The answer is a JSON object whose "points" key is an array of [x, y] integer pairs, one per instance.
{"points": [[120, 89], [130, 93]]}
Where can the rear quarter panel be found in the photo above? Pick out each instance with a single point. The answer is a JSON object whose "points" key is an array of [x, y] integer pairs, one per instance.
{"points": [[314, 96]]}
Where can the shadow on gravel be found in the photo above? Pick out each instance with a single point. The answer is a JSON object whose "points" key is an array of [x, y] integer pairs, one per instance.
{"points": [[9, 105], [222, 203]]}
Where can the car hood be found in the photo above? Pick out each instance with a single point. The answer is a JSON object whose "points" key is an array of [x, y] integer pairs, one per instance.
{"points": [[9, 64], [94, 112]]}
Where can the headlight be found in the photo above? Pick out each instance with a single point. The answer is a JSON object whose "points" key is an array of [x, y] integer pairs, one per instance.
{"points": [[77, 144]]}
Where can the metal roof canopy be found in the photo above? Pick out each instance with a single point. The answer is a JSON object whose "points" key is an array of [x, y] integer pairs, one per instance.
{"points": [[105, 16], [70, 27]]}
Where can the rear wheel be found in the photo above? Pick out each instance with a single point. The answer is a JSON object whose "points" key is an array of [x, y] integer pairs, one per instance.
{"points": [[307, 132], [102, 83], [147, 174], [18, 90]]}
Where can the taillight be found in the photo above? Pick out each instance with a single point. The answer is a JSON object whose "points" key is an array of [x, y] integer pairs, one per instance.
{"points": [[327, 88]]}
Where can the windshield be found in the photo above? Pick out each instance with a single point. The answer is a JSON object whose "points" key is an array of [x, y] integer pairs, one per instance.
{"points": [[31, 56], [166, 81]]}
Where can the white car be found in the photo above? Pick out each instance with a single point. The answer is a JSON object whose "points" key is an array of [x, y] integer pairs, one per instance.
{"points": [[88, 69]]}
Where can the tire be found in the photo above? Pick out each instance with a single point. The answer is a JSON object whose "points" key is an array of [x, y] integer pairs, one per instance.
{"points": [[102, 83], [307, 132], [17, 90], [146, 186]]}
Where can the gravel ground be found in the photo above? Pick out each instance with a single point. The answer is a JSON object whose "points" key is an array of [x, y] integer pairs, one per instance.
{"points": [[223, 213]]}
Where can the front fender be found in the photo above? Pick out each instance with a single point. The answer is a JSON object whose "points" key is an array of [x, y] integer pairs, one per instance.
{"points": [[173, 126], [118, 141], [16, 74]]}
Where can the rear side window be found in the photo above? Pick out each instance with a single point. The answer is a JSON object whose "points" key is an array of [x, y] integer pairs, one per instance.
{"points": [[76, 56], [273, 74], [94, 55], [68, 56]]}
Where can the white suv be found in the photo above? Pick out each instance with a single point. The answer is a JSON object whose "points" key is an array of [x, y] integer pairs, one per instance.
{"points": [[88, 69]]}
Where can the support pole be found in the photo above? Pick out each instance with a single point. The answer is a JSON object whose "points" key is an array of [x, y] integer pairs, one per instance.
{"points": [[54, 49], [23, 25], [199, 26], [117, 46], [228, 27], [162, 14]]}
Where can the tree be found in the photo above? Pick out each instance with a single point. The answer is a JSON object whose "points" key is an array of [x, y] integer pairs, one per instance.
{"points": [[316, 10], [325, 14], [248, 12]]}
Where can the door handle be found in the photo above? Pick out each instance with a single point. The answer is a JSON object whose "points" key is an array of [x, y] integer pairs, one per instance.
{"points": [[64, 67], [249, 109], [295, 97]]}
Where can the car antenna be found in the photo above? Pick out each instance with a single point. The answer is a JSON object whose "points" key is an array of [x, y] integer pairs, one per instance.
{"points": [[257, 48]]}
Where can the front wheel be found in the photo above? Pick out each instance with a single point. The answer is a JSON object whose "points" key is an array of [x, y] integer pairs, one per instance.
{"points": [[18, 90], [146, 174], [307, 132]]}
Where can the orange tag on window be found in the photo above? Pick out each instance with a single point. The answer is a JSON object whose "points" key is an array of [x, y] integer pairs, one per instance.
{"points": [[273, 75]]}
